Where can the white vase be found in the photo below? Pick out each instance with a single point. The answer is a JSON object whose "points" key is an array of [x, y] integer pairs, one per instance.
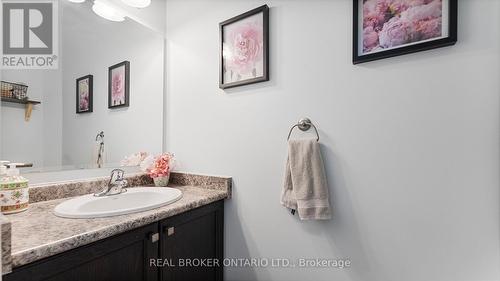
{"points": [[161, 181]]}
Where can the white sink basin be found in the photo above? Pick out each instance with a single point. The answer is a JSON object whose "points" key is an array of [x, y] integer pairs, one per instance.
{"points": [[136, 199]]}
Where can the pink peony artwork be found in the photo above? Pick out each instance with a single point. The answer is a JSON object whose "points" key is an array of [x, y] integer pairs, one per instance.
{"points": [[118, 86], [389, 24], [244, 48], [84, 94], [119, 76]]}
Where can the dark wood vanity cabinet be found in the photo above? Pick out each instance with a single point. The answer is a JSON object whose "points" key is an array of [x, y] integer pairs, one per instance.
{"points": [[193, 245], [121, 257], [160, 251]]}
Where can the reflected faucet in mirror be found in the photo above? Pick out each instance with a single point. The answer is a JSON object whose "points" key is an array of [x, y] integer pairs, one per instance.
{"points": [[100, 150]]}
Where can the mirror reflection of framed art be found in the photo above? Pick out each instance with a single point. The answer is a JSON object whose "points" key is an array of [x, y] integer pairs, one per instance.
{"points": [[119, 85], [84, 94]]}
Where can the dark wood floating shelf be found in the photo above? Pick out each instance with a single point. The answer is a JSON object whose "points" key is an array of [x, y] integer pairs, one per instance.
{"points": [[20, 101]]}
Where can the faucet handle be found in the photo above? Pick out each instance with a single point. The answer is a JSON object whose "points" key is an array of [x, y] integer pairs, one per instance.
{"points": [[116, 184], [119, 174], [122, 183], [116, 175]]}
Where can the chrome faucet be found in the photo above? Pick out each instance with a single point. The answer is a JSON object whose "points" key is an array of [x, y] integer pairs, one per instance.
{"points": [[116, 184]]}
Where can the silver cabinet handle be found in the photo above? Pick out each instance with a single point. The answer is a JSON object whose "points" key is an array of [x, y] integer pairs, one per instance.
{"points": [[154, 237], [170, 231]]}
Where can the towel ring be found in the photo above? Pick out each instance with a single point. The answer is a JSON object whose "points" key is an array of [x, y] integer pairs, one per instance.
{"points": [[304, 124]]}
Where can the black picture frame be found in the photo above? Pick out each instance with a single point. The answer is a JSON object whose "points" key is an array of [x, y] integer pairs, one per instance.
{"points": [[91, 94], [427, 45], [264, 9], [126, 103]]}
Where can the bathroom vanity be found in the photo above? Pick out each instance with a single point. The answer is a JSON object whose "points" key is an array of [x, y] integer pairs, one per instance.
{"points": [[180, 241], [74, 140]]}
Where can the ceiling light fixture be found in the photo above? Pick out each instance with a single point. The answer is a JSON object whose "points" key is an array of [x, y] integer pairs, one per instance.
{"points": [[77, 1], [106, 11], [137, 3]]}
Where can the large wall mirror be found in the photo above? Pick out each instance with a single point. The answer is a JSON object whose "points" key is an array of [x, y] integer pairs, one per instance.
{"points": [[104, 102]]}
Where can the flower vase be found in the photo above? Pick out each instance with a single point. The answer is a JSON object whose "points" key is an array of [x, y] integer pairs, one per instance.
{"points": [[161, 181]]}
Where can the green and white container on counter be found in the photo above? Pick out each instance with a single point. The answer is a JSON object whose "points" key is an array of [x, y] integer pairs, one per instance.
{"points": [[14, 192]]}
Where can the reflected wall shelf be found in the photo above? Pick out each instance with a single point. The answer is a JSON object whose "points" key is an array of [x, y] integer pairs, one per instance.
{"points": [[28, 108]]}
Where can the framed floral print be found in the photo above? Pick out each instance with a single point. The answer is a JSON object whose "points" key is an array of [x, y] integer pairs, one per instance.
{"points": [[84, 94], [388, 28], [244, 49], [119, 85]]}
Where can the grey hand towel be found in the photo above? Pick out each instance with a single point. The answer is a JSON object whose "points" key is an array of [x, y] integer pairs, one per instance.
{"points": [[305, 188]]}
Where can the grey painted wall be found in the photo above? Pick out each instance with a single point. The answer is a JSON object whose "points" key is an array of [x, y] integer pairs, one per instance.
{"points": [[411, 144]]}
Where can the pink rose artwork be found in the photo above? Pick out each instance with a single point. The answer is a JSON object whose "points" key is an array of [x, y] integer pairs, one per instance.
{"points": [[389, 24], [118, 86], [243, 49]]}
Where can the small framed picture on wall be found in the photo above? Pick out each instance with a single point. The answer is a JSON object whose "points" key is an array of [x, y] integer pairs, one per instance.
{"points": [[244, 49], [388, 28], [84, 94], [119, 85]]}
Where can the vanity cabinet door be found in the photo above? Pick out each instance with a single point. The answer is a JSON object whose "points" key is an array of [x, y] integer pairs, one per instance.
{"points": [[121, 258], [191, 245]]}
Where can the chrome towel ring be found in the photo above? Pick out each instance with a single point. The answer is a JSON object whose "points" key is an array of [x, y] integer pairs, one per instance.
{"points": [[304, 124]]}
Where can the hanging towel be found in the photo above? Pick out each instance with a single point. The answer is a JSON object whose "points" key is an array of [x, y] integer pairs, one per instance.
{"points": [[305, 188]]}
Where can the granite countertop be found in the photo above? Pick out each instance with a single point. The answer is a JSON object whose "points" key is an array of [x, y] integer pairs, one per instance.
{"points": [[5, 230], [37, 233]]}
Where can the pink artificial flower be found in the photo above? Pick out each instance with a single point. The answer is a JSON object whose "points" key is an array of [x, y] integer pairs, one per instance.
{"points": [[162, 166], [143, 155], [245, 48]]}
